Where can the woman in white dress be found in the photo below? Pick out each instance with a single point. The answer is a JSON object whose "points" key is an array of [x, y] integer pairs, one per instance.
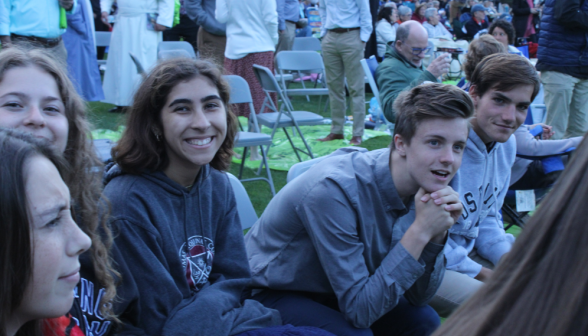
{"points": [[386, 28], [133, 33]]}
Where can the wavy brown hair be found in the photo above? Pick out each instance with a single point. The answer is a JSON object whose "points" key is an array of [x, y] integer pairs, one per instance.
{"points": [[84, 181], [541, 286], [138, 148], [429, 101], [479, 48]]}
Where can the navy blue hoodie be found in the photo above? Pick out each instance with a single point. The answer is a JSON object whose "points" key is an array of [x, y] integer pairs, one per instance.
{"points": [[184, 253]]}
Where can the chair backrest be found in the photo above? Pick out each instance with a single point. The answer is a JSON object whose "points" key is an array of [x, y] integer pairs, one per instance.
{"points": [[241, 94], [370, 66], [175, 53], [307, 43], [266, 79], [245, 208], [173, 45], [138, 65], [103, 38], [299, 61]]}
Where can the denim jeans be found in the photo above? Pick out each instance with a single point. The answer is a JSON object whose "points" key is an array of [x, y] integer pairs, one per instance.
{"points": [[317, 310]]}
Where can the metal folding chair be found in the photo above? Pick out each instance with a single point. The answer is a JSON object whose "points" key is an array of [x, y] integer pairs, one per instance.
{"points": [[285, 116], [102, 40], [302, 62], [174, 53], [370, 66], [307, 43], [174, 45], [240, 93], [245, 209]]}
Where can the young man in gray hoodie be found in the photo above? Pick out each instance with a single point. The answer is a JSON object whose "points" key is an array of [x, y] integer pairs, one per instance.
{"points": [[502, 88], [329, 251]]}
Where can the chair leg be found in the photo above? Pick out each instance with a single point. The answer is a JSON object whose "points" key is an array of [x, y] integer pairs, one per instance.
{"points": [[513, 215], [243, 158], [292, 143], [267, 169]]}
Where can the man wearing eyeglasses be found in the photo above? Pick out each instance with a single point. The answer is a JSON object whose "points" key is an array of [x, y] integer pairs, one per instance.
{"points": [[402, 68]]}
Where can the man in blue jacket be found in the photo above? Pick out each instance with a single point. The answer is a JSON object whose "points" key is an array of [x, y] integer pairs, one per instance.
{"points": [[502, 88], [331, 250], [212, 35], [563, 62]]}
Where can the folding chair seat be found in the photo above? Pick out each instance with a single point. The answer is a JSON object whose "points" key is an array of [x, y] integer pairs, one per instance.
{"points": [[175, 45], [370, 66], [285, 116], [240, 93], [245, 208]]}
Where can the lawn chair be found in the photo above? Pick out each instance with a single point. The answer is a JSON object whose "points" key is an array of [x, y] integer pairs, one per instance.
{"points": [[285, 116], [245, 209], [102, 40], [175, 45], [240, 93], [172, 53], [370, 66], [307, 44], [302, 62]]}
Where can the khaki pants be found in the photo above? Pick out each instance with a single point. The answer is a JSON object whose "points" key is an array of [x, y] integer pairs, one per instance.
{"points": [[341, 54], [456, 288], [211, 47], [566, 100], [287, 37]]}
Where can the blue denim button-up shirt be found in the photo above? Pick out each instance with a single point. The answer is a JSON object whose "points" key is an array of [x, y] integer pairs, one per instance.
{"points": [[336, 229], [38, 18]]}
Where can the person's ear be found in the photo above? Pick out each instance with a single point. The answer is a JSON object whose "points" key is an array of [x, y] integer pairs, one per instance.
{"points": [[400, 145], [473, 92]]}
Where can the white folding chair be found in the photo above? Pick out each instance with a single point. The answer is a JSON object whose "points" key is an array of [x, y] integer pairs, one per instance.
{"points": [[173, 53], [102, 39], [240, 94], [174, 45], [245, 208], [369, 68], [302, 62], [285, 116], [307, 43]]}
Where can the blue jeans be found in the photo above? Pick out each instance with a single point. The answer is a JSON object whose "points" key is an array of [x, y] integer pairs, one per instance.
{"points": [[315, 310]]}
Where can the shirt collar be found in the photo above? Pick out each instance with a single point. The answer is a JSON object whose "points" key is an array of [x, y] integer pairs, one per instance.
{"points": [[385, 183]]}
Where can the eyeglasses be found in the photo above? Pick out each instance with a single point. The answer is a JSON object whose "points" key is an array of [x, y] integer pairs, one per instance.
{"points": [[418, 51]]}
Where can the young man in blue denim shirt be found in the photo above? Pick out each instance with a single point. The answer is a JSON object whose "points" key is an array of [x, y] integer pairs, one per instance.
{"points": [[329, 250]]}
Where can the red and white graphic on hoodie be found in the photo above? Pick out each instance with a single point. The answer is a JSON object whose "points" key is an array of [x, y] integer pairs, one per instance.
{"points": [[197, 260]]}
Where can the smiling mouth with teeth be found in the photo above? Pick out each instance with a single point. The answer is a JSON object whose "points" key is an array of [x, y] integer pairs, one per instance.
{"points": [[199, 142], [440, 173]]}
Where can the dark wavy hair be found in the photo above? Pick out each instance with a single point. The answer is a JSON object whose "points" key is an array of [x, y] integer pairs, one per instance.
{"points": [[479, 48], [16, 260], [506, 26], [84, 182], [428, 101], [138, 148], [385, 14]]}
